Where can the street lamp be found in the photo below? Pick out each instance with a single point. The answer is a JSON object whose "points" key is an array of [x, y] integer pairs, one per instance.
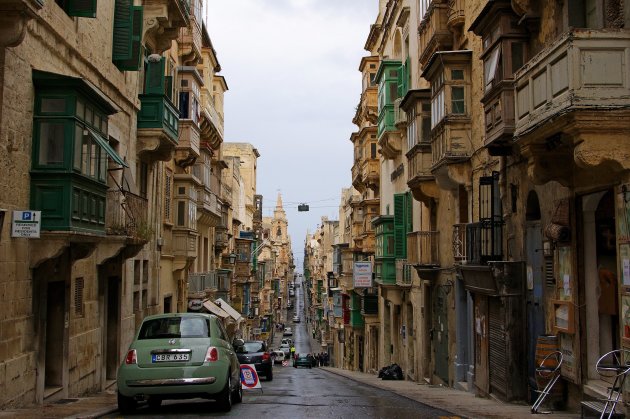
{"points": [[232, 258]]}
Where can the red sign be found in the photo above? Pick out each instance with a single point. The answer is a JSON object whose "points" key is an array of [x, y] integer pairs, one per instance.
{"points": [[249, 377]]}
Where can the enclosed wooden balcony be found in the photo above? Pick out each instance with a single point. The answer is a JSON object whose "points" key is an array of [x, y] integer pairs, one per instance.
{"points": [[189, 41], [433, 31], [389, 136], [420, 179], [499, 119], [423, 249], [187, 150], [221, 239], [212, 124], [371, 173], [456, 14], [158, 125], [184, 244], [450, 141], [208, 207], [162, 20], [357, 178], [584, 70]]}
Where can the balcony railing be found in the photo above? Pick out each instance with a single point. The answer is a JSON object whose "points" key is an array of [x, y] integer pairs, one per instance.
{"points": [[459, 242], [403, 273], [583, 69], [126, 215], [423, 248], [484, 242]]}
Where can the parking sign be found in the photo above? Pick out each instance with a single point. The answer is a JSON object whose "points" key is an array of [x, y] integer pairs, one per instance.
{"points": [[26, 224]]}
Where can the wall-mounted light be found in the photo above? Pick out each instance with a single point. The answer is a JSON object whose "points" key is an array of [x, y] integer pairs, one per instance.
{"points": [[232, 258]]}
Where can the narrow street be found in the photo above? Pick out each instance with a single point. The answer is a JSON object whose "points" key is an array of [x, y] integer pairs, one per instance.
{"points": [[296, 393]]}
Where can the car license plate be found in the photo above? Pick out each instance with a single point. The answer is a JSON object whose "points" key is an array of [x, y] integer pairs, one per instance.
{"points": [[170, 357]]}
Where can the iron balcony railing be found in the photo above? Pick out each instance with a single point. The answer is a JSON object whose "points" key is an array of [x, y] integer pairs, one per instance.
{"points": [[127, 215], [483, 242], [403, 273]]}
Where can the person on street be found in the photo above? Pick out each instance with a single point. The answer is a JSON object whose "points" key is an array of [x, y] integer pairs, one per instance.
{"points": [[293, 352]]}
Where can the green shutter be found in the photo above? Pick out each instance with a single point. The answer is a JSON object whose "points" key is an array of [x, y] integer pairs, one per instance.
{"points": [[81, 8], [400, 218], [154, 80], [400, 80], [123, 18], [409, 223], [127, 48]]}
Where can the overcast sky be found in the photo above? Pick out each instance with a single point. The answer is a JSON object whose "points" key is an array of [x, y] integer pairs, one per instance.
{"points": [[292, 71]]}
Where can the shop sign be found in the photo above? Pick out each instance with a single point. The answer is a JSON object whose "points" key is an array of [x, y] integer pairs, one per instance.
{"points": [[362, 275], [195, 305]]}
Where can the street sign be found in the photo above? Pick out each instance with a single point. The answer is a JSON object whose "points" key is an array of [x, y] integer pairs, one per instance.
{"points": [[26, 224], [249, 377]]}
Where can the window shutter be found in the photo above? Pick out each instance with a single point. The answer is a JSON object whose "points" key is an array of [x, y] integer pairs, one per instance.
{"points": [[127, 48], [81, 8], [400, 241], [409, 214], [122, 30], [154, 80], [401, 78]]}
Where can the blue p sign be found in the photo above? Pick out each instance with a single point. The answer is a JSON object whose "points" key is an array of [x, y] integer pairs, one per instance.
{"points": [[26, 215]]}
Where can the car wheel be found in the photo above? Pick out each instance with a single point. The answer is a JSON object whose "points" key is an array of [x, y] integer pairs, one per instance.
{"points": [[237, 396], [155, 403], [224, 400], [126, 404], [309, 367], [269, 375]]}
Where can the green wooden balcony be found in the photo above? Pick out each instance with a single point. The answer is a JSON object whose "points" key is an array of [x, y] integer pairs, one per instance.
{"points": [[157, 111], [385, 271]]}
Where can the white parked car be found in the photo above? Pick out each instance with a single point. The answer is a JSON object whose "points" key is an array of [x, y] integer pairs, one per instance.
{"points": [[279, 356], [296, 319], [286, 349], [287, 332], [286, 341]]}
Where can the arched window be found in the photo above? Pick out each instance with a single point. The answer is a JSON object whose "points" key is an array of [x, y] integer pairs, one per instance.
{"points": [[279, 232]]}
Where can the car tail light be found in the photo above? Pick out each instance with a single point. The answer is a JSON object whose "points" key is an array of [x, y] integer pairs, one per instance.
{"points": [[132, 357], [212, 355], [266, 356]]}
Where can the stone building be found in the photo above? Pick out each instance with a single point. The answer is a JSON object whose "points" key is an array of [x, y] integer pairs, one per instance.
{"points": [[501, 128], [111, 125]]}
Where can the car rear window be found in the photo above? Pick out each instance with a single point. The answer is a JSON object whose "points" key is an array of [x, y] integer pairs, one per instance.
{"points": [[252, 347], [174, 327]]}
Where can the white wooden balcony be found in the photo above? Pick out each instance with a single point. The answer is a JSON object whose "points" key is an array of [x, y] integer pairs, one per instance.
{"points": [[582, 70]]}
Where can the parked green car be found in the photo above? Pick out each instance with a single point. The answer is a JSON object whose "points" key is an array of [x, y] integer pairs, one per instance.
{"points": [[179, 356]]}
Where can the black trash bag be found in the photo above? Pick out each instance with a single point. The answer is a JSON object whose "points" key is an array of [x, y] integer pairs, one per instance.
{"points": [[381, 372], [392, 372]]}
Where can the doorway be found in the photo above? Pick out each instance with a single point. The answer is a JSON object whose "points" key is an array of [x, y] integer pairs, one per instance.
{"points": [[54, 340], [600, 277], [112, 328], [535, 286]]}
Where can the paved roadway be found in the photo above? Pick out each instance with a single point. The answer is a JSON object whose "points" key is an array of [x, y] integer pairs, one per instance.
{"points": [[301, 393]]}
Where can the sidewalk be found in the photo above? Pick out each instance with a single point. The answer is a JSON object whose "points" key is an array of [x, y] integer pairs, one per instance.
{"points": [[90, 407], [457, 402]]}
